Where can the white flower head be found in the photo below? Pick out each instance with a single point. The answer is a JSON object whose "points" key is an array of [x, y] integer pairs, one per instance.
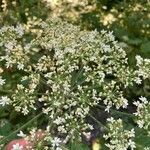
{"points": [[20, 30], [20, 66], [56, 141], [143, 99], [21, 134], [131, 144], [4, 100], [139, 60], [25, 110]]}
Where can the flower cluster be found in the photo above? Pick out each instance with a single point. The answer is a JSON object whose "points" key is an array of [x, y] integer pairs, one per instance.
{"points": [[13, 52], [64, 72], [143, 113], [143, 67], [120, 139]]}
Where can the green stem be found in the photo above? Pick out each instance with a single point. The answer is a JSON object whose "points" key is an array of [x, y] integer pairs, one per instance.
{"points": [[77, 76], [63, 147], [117, 112], [22, 127], [98, 122]]}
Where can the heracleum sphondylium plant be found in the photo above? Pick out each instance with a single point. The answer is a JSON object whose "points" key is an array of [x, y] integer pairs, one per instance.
{"points": [[69, 71]]}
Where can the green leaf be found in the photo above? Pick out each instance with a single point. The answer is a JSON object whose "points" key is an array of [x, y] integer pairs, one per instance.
{"points": [[5, 127], [78, 146], [145, 49], [134, 41], [141, 139]]}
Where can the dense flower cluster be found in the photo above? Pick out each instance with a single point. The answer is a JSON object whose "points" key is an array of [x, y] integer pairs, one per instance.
{"points": [[143, 113], [66, 71], [120, 139], [143, 67], [13, 51]]}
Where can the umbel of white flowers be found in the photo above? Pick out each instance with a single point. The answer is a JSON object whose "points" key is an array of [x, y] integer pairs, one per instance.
{"points": [[78, 70]]}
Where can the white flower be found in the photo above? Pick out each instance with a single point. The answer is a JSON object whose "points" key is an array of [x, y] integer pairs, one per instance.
{"points": [[138, 80], [106, 48], [139, 60], [143, 99], [41, 99], [25, 110], [55, 142], [110, 119], [9, 45], [140, 123], [2, 81], [21, 134], [17, 147], [107, 109], [131, 144], [132, 133], [20, 30], [20, 66], [4, 100], [59, 120]]}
